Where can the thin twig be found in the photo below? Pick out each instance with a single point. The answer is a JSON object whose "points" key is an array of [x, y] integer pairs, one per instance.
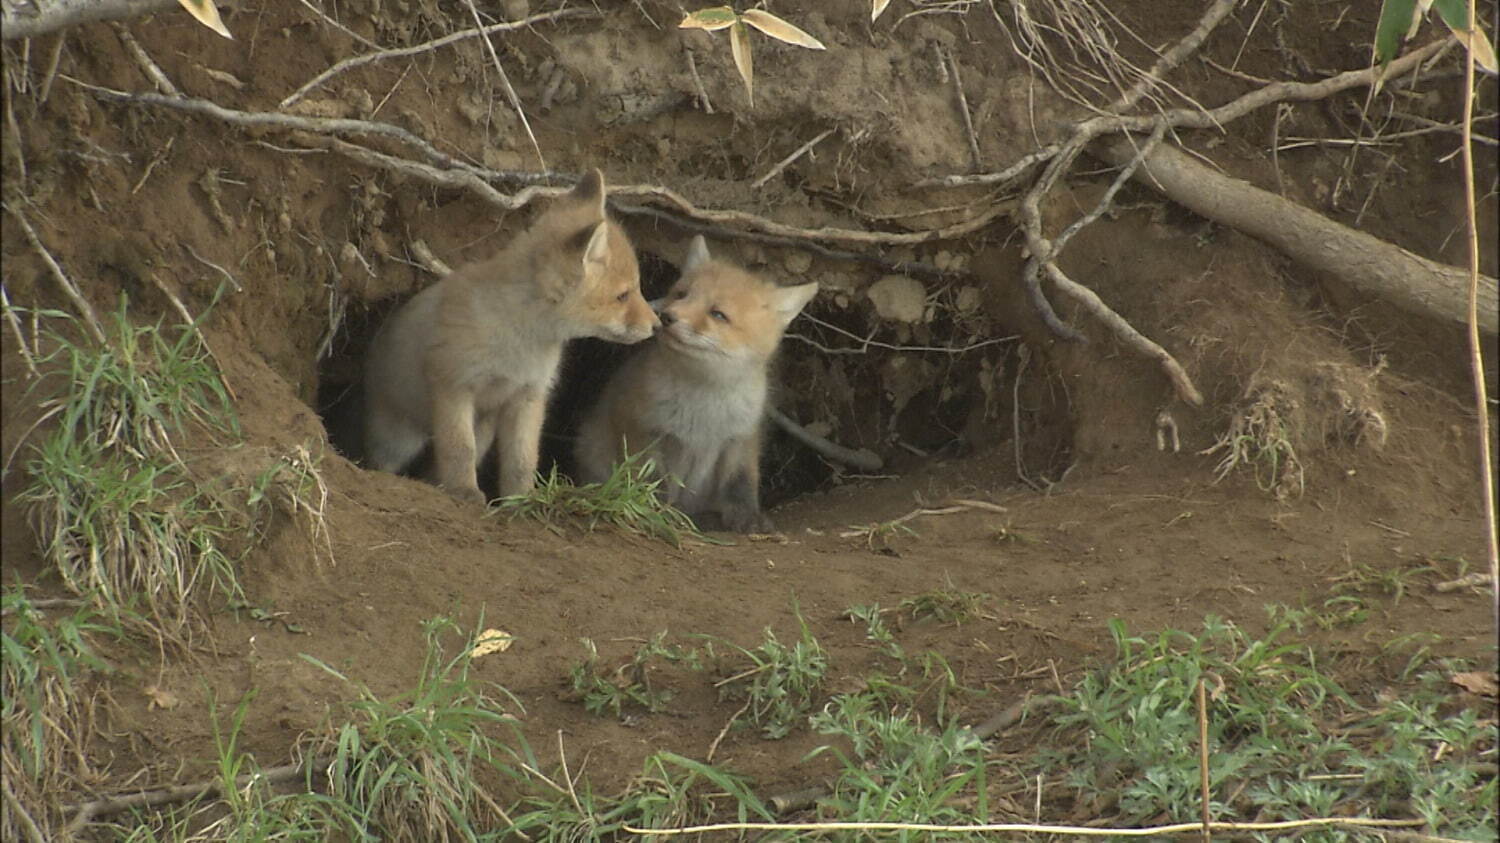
{"points": [[51, 72], [963, 110], [340, 27], [222, 271], [798, 153], [33, 832], [866, 343], [708, 107], [714, 747], [357, 61], [1477, 578], [15, 327], [148, 67], [1212, 119], [1173, 57], [1476, 350], [192, 325], [85, 309], [1181, 383], [1203, 757], [515, 101]]}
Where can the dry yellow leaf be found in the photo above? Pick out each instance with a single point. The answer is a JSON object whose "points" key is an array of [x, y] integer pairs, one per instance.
{"points": [[207, 14], [780, 29], [492, 641]]}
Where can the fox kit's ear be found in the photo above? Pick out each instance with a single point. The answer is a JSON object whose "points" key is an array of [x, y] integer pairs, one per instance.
{"points": [[597, 250], [590, 189], [697, 254], [789, 301]]}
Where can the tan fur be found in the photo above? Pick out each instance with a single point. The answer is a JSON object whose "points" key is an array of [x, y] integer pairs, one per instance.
{"points": [[470, 360], [695, 397]]}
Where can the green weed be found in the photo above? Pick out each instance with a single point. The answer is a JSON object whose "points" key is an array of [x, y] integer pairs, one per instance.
{"points": [[1286, 741], [898, 771], [46, 708], [946, 605], [781, 686], [412, 767], [115, 505], [630, 683]]}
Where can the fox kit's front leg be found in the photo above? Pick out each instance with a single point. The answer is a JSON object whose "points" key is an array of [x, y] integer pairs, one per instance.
{"points": [[519, 440], [737, 487], [453, 447]]}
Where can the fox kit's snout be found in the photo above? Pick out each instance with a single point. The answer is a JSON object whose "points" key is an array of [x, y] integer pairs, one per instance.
{"points": [[469, 361], [694, 400]]}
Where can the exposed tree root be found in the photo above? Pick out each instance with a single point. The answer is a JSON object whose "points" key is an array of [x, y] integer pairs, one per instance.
{"points": [[32, 19], [1367, 263]]}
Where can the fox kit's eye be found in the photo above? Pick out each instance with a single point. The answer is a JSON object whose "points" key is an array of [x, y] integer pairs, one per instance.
{"points": [[719, 315], [623, 297]]}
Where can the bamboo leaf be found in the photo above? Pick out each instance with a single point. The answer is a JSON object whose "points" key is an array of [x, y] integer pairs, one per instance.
{"points": [[1455, 13], [207, 14], [739, 44], [780, 29], [1395, 18], [710, 19]]}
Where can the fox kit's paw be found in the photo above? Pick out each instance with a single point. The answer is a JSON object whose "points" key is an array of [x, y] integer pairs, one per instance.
{"points": [[748, 521], [467, 494]]}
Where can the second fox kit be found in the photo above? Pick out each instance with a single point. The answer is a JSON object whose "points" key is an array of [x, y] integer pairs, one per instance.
{"points": [[470, 360], [694, 399]]}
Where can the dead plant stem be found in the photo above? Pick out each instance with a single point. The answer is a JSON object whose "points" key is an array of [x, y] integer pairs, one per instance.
{"points": [[1476, 351], [510, 92], [85, 309]]}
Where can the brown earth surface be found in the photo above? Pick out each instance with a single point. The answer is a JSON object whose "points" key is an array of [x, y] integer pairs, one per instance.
{"points": [[1375, 402]]}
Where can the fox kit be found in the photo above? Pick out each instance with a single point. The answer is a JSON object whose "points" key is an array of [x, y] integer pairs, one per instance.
{"points": [[470, 360], [694, 398]]}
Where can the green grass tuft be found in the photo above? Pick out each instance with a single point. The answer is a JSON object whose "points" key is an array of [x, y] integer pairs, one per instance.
{"points": [[627, 499]]}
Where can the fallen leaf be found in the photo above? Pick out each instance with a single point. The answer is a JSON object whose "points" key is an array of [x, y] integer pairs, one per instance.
{"points": [[492, 641], [207, 14], [1477, 682], [160, 698]]}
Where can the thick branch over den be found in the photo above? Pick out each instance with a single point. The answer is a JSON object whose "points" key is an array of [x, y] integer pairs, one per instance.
{"points": [[41, 18], [1368, 263]]}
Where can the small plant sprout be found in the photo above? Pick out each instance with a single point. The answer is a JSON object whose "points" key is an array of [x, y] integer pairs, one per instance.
{"points": [[877, 7], [725, 17]]}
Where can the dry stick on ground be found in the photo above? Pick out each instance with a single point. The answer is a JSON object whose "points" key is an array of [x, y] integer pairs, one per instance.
{"points": [[1477, 578], [87, 811], [452, 38], [33, 832], [85, 309]]}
